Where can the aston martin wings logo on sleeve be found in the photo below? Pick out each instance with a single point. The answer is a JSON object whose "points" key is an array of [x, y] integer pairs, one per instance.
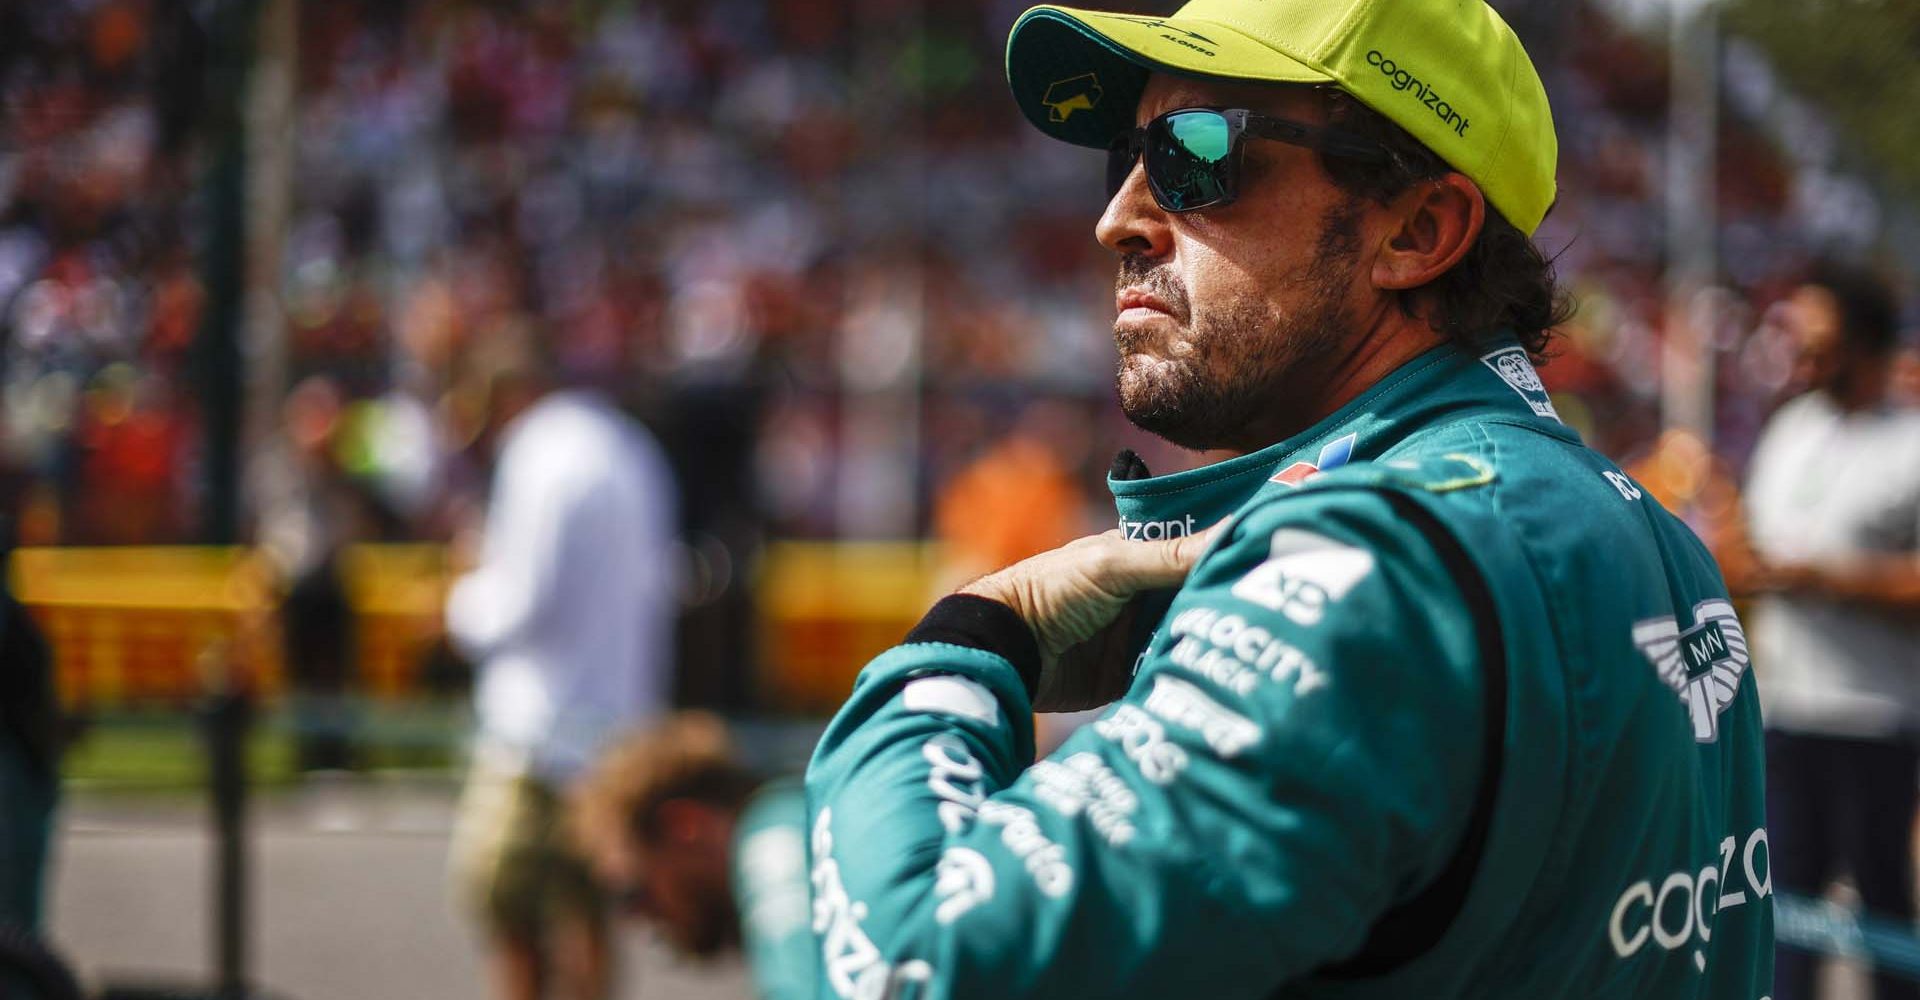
{"points": [[1703, 664]]}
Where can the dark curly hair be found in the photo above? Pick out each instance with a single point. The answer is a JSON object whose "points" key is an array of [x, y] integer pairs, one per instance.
{"points": [[1503, 283], [1869, 311]]}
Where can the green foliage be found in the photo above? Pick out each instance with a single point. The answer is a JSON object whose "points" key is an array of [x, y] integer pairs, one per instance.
{"points": [[165, 751], [156, 753], [1854, 60]]}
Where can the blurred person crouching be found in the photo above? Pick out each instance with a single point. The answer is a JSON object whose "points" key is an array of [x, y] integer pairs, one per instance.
{"points": [[567, 613], [1833, 503], [702, 850]]}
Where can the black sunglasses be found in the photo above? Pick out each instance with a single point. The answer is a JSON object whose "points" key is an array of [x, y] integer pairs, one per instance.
{"points": [[1193, 154]]}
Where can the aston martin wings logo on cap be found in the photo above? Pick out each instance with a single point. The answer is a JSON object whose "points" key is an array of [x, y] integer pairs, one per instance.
{"points": [[1075, 93]]}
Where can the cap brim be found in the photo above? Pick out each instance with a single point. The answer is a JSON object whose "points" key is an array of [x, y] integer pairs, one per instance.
{"points": [[1077, 74]]}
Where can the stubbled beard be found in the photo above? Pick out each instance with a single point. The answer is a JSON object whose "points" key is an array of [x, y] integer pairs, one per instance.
{"points": [[1244, 357]]}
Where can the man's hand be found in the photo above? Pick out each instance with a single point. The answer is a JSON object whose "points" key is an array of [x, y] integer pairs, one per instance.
{"points": [[1073, 598]]}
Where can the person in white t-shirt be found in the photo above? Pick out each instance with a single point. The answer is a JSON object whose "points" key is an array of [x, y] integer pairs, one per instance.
{"points": [[568, 616], [1833, 506]]}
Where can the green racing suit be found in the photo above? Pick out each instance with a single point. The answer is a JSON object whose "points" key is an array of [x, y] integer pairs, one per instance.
{"points": [[1452, 709], [769, 866]]}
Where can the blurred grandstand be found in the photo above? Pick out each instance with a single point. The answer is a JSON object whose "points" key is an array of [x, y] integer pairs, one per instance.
{"points": [[805, 240]]}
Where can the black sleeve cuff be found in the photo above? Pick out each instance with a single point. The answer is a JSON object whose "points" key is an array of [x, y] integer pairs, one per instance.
{"points": [[981, 623]]}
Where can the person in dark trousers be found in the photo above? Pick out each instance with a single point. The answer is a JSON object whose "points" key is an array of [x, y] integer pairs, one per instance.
{"points": [[1833, 507]]}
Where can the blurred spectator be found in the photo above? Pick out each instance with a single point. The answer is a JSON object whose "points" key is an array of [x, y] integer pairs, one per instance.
{"points": [[1904, 387], [29, 778], [1020, 497], [1834, 506], [704, 852], [309, 511], [568, 614]]}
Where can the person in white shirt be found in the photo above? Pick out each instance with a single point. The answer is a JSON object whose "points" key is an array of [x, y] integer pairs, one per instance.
{"points": [[568, 616], [1833, 507]]}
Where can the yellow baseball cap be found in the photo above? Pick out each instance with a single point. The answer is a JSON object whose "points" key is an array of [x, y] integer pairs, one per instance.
{"points": [[1448, 71]]}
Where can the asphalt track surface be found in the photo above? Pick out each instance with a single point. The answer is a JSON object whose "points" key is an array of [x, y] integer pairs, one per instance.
{"points": [[349, 898]]}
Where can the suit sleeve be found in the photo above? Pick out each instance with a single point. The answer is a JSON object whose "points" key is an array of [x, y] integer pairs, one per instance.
{"points": [[770, 893], [1298, 752]]}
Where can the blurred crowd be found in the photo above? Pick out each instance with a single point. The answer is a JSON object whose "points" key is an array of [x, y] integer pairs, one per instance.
{"points": [[804, 240], [759, 224]]}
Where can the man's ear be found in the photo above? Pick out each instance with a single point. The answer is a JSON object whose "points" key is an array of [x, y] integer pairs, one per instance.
{"points": [[1437, 223]]}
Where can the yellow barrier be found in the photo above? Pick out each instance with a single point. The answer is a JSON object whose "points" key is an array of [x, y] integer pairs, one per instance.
{"points": [[397, 592], [129, 626], [826, 608], [132, 625]]}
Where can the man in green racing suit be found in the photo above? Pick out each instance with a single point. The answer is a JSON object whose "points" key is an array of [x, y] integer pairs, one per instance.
{"points": [[1442, 706]]}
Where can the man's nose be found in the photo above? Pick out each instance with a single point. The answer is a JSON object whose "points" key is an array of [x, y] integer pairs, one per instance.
{"points": [[1133, 223]]}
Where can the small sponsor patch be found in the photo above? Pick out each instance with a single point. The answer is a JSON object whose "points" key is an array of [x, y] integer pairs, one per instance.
{"points": [[1336, 454], [951, 695], [1075, 93], [1511, 364], [1303, 574], [1043, 859], [1084, 785], [1227, 732], [1620, 482], [1232, 652], [1295, 474], [1144, 740], [1157, 531], [953, 776], [963, 879]]}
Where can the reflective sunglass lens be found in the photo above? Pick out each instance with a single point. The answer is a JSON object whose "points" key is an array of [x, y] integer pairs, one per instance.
{"points": [[1202, 134], [1188, 161]]}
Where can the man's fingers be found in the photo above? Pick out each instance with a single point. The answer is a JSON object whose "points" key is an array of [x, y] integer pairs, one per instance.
{"points": [[1153, 565], [1069, 592], [1092, 672], [1184, 553]]}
